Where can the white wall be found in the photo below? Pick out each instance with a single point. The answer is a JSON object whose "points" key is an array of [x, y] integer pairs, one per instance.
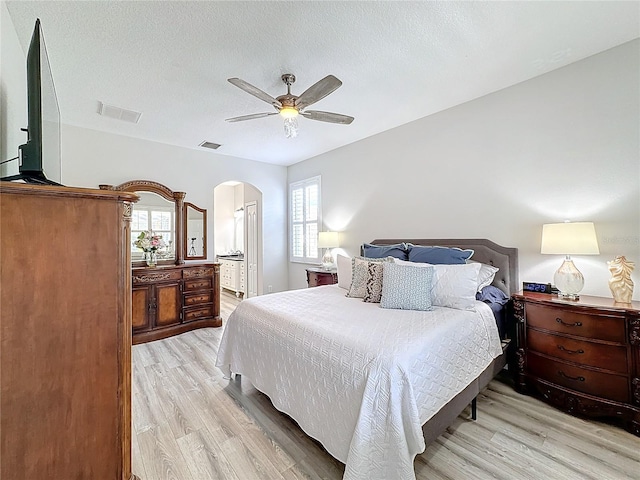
{"points": [[90, 158], [13, 93], [561, 146], [222, 217]]}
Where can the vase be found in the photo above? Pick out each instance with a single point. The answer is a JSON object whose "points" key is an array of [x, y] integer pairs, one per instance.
{"points": [[151, 258]]}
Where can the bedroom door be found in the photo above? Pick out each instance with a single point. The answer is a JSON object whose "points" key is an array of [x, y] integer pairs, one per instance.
{"points": [[251, 253]]}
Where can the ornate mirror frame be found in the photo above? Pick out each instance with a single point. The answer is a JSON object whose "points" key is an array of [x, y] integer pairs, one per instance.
{"points": [[168, 194], [187, 245]]}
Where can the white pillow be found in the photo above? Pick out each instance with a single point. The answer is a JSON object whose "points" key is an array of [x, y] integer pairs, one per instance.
{"points": [[344, 271], [486, 275], [454, 286]]}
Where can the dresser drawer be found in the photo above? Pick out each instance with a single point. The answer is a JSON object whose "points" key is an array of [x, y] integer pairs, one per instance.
{"points": [[197, 313], [604, 385], [326, 280], [198, 298], [576, 323], [197, 272], [147, 276], [609, 357], [198, 284]]}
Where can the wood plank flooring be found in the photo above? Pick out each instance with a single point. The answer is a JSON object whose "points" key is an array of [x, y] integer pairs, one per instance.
{"points": [[189, 423]]}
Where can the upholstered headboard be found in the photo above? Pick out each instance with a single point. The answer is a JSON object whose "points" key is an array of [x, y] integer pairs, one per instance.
{"points": [[485, 251]]}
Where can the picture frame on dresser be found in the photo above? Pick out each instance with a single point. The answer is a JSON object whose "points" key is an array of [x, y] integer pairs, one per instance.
{"points": [[581, 356]]}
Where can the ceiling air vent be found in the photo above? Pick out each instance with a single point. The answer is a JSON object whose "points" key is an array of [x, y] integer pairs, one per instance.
{"points": [[211, 145], [118, 113]]}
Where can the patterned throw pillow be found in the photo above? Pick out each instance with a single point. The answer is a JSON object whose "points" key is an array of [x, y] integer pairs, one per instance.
{"points": [[406, 287], [359, 275], [373, 288], [454, 286]]}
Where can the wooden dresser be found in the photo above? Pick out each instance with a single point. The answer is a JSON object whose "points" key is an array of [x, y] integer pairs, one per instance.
{"points": [[581, 356], [317, 276], [168, 300], [65, 333]]}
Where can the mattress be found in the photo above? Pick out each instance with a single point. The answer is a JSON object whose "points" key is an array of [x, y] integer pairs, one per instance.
{"points": [[360, 379]]}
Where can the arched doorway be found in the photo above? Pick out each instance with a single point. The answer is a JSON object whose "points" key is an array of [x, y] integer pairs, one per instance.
{"points": [[237, 227]]}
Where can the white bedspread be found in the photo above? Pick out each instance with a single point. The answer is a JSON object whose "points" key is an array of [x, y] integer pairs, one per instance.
{"points": [[358, 378]]}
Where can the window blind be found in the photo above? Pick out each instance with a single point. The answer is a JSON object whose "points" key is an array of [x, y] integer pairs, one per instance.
{"points": [[305, 219]]}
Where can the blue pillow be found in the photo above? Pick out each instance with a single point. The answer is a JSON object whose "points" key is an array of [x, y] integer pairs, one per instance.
{"points": [[406, 287], [496, 299], [491, 294], [438, 255], [398, 250]]}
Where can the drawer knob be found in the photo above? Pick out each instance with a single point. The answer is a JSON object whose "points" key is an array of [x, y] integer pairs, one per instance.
{"points": [[577, 324], [577, 379], [579, 351]]}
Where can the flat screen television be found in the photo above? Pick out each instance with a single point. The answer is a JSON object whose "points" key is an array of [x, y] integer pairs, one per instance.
{"points": [[39, 158]]}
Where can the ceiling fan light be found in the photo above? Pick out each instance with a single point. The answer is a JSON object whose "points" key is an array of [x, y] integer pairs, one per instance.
{"points": [[288, 112], [291, 127]]}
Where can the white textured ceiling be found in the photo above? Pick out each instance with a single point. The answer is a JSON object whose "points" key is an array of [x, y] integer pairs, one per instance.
{"points": [[398, 61]]}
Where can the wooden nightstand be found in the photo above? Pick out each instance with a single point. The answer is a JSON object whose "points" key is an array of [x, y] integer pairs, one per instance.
{"points": [[580, 356], [317, 276]]}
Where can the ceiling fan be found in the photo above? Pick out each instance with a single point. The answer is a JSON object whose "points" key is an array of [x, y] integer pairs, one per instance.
{"points": [[290, 106]]}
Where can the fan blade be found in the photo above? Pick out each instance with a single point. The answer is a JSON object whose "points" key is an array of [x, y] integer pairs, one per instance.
{"points": [[317, 91], [255, 91], [250, 117], [327, 117]]}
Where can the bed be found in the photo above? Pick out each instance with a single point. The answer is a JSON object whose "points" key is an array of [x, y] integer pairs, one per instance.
{"points": [[372, 385]]}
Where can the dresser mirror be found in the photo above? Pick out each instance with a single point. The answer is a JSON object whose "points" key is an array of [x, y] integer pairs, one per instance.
{"points": [[195, 228], [159, 210]]}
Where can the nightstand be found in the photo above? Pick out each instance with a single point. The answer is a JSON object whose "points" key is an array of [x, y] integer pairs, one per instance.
{"points": [[581, 356], [317, 276]]}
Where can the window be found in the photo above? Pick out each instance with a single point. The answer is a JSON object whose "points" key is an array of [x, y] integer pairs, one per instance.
{"points": [[304, 220], [156, 219]]}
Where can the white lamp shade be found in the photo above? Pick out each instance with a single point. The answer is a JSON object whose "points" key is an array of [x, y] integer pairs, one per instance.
{"points": [[328, 240], [570, 238]]}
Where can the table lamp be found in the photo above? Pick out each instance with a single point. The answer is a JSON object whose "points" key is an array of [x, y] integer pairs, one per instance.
{"points": [[569, 238], [328, 240]]}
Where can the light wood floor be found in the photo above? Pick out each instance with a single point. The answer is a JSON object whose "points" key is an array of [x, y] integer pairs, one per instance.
{"points": [[189, 423]]}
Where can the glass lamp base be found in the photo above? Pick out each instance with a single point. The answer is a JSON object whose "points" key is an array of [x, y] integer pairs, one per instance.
{"points": [[327, 260], [572, 297], [568, 280]]}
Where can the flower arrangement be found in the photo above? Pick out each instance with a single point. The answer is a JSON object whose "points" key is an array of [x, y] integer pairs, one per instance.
{"points": [[149, 242]]}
